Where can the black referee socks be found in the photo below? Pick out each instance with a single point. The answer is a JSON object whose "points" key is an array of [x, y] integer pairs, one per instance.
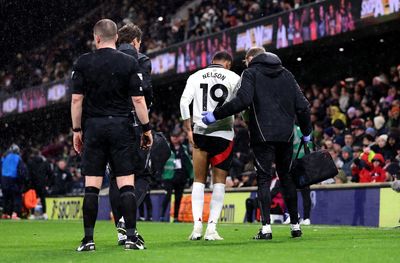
{"points": [[90, 207], [128, 209]]}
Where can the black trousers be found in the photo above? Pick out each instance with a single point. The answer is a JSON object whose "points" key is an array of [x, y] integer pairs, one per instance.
{"points": [[178, 188], [41, 193], [12, 195], [149, 207], [252, 205], [305, 193], [279, 153], [141, 188]]}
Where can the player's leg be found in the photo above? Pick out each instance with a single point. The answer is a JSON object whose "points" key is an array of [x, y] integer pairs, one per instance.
{"points": [[200, 166], [283, 159], [94, 161], [128, 209], [264, 155], [220, 154], [90, 209], [217, 202]]}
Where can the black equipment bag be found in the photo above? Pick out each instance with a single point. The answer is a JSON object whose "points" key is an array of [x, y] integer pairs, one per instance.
{"points": [[158, 156], [313, 168]]}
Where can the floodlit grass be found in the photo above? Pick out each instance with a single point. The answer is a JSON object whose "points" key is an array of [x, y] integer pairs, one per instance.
{"points": [[55, 241]]}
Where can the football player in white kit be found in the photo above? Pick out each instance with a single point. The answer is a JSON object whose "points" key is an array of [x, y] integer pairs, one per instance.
{"points": [[208, 88]]}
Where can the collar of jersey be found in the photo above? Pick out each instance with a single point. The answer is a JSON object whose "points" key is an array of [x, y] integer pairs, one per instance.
{"points": [[215, 66]]}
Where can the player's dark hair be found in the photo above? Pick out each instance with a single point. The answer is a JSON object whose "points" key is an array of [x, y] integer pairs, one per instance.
{"points": [[128, 33], [222, 55], [106, 29]]}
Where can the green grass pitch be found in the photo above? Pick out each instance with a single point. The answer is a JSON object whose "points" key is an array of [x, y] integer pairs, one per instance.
{"points": [[55, 241]]}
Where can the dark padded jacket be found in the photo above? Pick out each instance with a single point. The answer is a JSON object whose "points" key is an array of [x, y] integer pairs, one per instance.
{"points": [[144, 68], [273, 98]]}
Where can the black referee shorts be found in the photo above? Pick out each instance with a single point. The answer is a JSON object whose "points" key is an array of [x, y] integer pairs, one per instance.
{"points": [[219, 150], [108, 140]]}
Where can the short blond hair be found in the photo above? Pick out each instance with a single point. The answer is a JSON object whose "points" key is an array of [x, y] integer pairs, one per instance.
{"points": [[106, 29]]}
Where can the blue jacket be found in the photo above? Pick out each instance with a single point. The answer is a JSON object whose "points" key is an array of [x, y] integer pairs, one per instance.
{"points": [[10, 163]]}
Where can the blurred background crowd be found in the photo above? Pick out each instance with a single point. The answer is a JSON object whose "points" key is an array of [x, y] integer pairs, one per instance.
{"points": [[357, 121], [52, 60]]}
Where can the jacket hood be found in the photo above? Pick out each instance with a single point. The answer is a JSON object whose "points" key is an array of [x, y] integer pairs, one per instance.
{"points": [[268, 64], [128, 49], [379, 157]]}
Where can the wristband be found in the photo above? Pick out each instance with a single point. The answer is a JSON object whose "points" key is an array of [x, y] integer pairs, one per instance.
{"points": [[146, 127], [76, 129]]}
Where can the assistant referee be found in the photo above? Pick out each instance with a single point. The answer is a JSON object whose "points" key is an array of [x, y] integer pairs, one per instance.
{"points": [[105, 83]]}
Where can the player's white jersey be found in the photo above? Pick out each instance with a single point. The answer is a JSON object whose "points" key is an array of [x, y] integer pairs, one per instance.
{"points": [[209, 88]]}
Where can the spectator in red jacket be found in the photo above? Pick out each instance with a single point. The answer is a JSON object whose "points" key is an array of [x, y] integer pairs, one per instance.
{"points": [[378, 174]]}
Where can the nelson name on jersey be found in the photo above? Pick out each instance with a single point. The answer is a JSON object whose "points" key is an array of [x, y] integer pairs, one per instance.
{"points": [[214, 75]]}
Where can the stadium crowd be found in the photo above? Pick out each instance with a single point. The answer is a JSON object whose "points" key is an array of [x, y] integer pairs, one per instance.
{"points": [[357, 121], [53, 60]]}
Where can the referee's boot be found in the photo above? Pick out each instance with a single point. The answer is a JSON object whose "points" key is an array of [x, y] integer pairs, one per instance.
{"points": [[139, 237], [134, 244], [262, 236], [295, 230], [86, 245], [121, 231]]}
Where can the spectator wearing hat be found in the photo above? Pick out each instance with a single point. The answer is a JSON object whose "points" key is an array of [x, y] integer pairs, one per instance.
{"points": [[379, 124], [351, 113], [336, 114], [378, 174], [382, 147], [370, 131], [347, 158]]}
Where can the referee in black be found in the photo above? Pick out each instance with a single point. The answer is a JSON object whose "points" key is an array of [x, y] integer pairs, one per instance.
{"points": [[105, 83]]}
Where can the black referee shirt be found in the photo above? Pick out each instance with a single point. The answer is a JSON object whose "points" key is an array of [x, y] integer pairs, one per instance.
{"points": [[107, 78]]}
